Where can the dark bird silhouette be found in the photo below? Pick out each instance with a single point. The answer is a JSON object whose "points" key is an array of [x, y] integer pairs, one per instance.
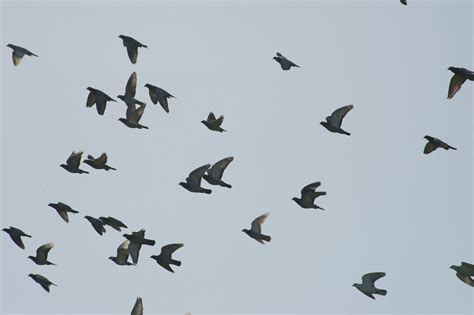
{"points": [[16, 235], [42, 281], [130, 91], [255, 231], [122, 254], [164, 258], [133, 117], [404, 2], [114, 223], [212, 123], [460, 76], [214, 174], [465, 273], [308, 194], [73, 162], [62, 210], [137, 239], [284, 62], [367, 286], [100, 163], [97, 224], [333, 123], [18, 53], [132, 47], [193, 181], [41, 257], [98, 98], [434, 143], [138, 307], [159, 95]]}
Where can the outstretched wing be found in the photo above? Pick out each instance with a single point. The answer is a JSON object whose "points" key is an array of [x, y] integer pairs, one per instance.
{"points": [[211, 117], [74, 159], [257, 223], [195, 176], [42, 251], [370, 278], [132, 51], [131, 88], [455, 85], [338, 115], [217, 170], [168, 250]]}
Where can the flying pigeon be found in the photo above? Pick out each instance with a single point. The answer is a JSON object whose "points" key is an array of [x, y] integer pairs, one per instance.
{"points": [[42, 281], [133, 117], [284, 62], [404, 2], [138, 307], [132, 47], [460, 76], [465, 273], [97, 224], [15, 235], [122, 254], [193, 181], [159, 95], [434, 143], [98, 98], [100, 163], [255, 231], [130, 90], [164, 258], [114, 223], [137, 239], [42, 255], [367, 286], [18, 53], [73, 162], [212, 123], [62, 210], [333, 122], [214, 174], [308, 194]]}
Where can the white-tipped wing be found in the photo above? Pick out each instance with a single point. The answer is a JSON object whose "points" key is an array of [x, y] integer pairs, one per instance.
{"points": [[257, 223], [42, 251]]}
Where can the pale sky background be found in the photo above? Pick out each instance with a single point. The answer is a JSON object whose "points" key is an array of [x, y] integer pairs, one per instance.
{"points": [[389, 207]]}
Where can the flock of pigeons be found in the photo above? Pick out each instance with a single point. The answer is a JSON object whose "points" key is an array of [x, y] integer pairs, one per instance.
{"points": [[212, 174]]}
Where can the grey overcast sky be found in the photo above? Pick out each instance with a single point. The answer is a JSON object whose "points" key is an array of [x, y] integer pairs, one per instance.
{"points": [[389, 207]]}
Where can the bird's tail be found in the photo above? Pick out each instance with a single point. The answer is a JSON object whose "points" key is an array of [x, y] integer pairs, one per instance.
{"points": [[142, 127], [381, 292], [318, 207], [346, 133], [175, 262], [453, 148], [226, 185], [266, 238], [149, 242], [73, 211], [84, 172], [206, 191], [109, 168]]}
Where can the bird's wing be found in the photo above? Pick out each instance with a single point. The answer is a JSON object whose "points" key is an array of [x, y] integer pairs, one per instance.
{"points": [[455, 85], [74, 159], [153, 96], [116, 223], [429, 147], [370, 278], [164, 103], [220, 120], [211, 117], [90, 99], [43, 250], [102, 159], [101, 103], [63, 214], [309, 193], [257, 223], [17, 56], [135, 114], [123, 251], [131, 88], [467, 268], [132, 51], [217, 170], [17, 239], [138, 307], [338, 115], [167, 250], [196, 175], [134, 250], [280, 55]]}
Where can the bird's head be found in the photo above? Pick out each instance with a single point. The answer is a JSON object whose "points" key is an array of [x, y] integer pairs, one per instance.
{"points": [[121, 36], [30, 275], [245, 230], [454, 267], [6, 230], [182, 184], [147, 85], [204, 122], [31, 257], [63, 166], [154, 257], [89, 89], [112, 258], [452, 68], [355, 285], [295, 199], [10, 45], [324, 123]]}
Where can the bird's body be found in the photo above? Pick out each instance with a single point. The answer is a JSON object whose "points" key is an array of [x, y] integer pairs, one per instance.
{"points": [[133, 117], [255, 231], [18, 53], [213, 123], [193, 181], [214, 174], [137, 239], [308, 194], [284, 62], [465, 273], [16, 235], [132, 46], [122, 254], [97, 224], [99, 163], [368, 287], [73, 163], [333, 123], [435, 143], [460, 76], [164, 259], [98, 98], [159, 95], [62, 209], [42, 281], [41, 257]]}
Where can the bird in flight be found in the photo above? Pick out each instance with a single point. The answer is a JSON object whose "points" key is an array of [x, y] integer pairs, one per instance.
{"points": [[97, 224], [164, 259], [42, 281], [367, 286], [62, 209], [159, 95], [137, 239], [41, 257], [333, 123], [16, 235], [284, 62], [214, 174], [99, 163], [98, 98], [255, 231], [193, 181], [460, 76], [18, 53], [308, 194], [73, 162], [122, 254], [465, 273], [212, 123], [132, 46], [434, 143]]}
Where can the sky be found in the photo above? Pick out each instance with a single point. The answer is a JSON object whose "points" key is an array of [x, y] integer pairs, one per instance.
{"points": [[388, 207]]}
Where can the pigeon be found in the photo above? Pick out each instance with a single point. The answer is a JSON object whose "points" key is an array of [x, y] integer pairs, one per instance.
{"points": [[255, 231], [159, 95], [62, 210], [137, 239], [132, 47], [212, 123], [434, 143], [42, 255], [193, 181], [73, 162], [133, 117], [465, 273], [138, 307], [333, 122], [367, 286], [214, 174], [460, 76], [15, 235], [98, 98], [164, 258], [18, 53], [100, 163], [42, 281], [122, 254], [97, 224], [308, 194], [130, 90], [113, 223], [284, 62], [404, 2]]}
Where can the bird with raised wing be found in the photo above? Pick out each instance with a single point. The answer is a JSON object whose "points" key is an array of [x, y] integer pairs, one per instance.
{"points": [[164, 259], [284, 62], [460, 76], [42, 281], [138, 307], [97, 224], [308, 194], [214, 174], [122, 254], [18, 53], [368, 287], [435, 143], [42, 252], [73, 162], [132, 46], [255, 231], [193, 181], [465, 273], [137, 239], [16, 235], [62, 209], [113, 223], [159, 95], [333, 123], [98, 98], [130, 91], [213, 123], [99, 163], [133, 117]]}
